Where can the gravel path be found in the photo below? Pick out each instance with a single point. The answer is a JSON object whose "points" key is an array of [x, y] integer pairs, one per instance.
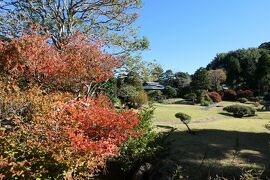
{"points": [[177, 122]]}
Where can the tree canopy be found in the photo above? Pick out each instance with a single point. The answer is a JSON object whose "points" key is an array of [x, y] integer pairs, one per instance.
{"points": [[112, 21]]}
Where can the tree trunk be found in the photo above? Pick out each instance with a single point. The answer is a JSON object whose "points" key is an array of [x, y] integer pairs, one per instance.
{"points": [[189, 130]]}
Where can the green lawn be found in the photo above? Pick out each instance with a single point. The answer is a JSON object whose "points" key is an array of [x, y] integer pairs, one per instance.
{"points": [[222, 144]]}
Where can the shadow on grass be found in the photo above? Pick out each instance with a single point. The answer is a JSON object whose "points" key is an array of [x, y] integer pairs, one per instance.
{"points": [[185, 102], [225, 114], [166, 127], [226, 153]]}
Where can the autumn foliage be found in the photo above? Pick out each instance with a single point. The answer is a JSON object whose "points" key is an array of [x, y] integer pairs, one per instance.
{"points": [[229, 95], [215, 96], [54, 134], [78, 62], [245, 94]]}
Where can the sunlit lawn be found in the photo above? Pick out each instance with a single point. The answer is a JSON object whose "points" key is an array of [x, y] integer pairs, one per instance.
{"points": [[222, 144]]}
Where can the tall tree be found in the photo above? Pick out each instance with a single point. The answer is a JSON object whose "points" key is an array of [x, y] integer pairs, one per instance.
{"points": [[167, 78], [110, 20], [265, 45], [263, 72], [216, 77], [181, 80], [200, 80], [233, 71]]}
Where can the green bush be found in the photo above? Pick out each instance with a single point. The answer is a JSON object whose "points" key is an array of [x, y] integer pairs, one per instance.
{"points": [[266, 97], [205, 103], [170, 92], [185, 120], [144, 148], [190, 97], [203, 98], [155, 95], [183, 117], [243, 100], [240, 111]]}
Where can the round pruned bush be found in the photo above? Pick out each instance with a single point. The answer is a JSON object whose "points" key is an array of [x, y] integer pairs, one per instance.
{"points": [[183, 117], [229, 95], [170, 92], [215, 97], [185, 120], [243, 100], [205, 103], [240, 111], [245, 94], [203, 98], [190, 97], [155, 95]]}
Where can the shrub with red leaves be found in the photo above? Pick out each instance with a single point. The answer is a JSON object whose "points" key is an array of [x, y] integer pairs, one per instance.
{"points": [[55, 135], [229, 95], [93, 129], [245, 94], [215, 96], [78, 137], [78, 63]]}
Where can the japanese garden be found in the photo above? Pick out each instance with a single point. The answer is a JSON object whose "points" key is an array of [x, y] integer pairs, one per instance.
{"points": [[80, 100]]}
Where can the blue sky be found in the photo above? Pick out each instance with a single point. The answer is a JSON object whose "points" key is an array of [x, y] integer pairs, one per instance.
{"points": [[187, 34]]}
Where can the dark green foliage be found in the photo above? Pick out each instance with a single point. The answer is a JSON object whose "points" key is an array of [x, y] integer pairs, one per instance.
{"points": [[166, 78], [205, 103], [134, 79], [181, 83], [183, 117], [110, 89], [233, 71], [240, 66], [240, 111], [202, 96], [156, 95], [142, 149], [190, 97], [263, 72], [200, 80], [266, 97], [170, 92], [243, 100], [265, 45]]}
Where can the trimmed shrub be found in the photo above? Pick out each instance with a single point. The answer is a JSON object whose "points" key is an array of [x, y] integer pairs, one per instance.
{"points": [[155, 95], [170, 92], [140, 149], [190, 97], [215, 97], [205, 103], [185, 119], [203, 98], [245, 94], [240, 111], [229, 95], [243, 100]]}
